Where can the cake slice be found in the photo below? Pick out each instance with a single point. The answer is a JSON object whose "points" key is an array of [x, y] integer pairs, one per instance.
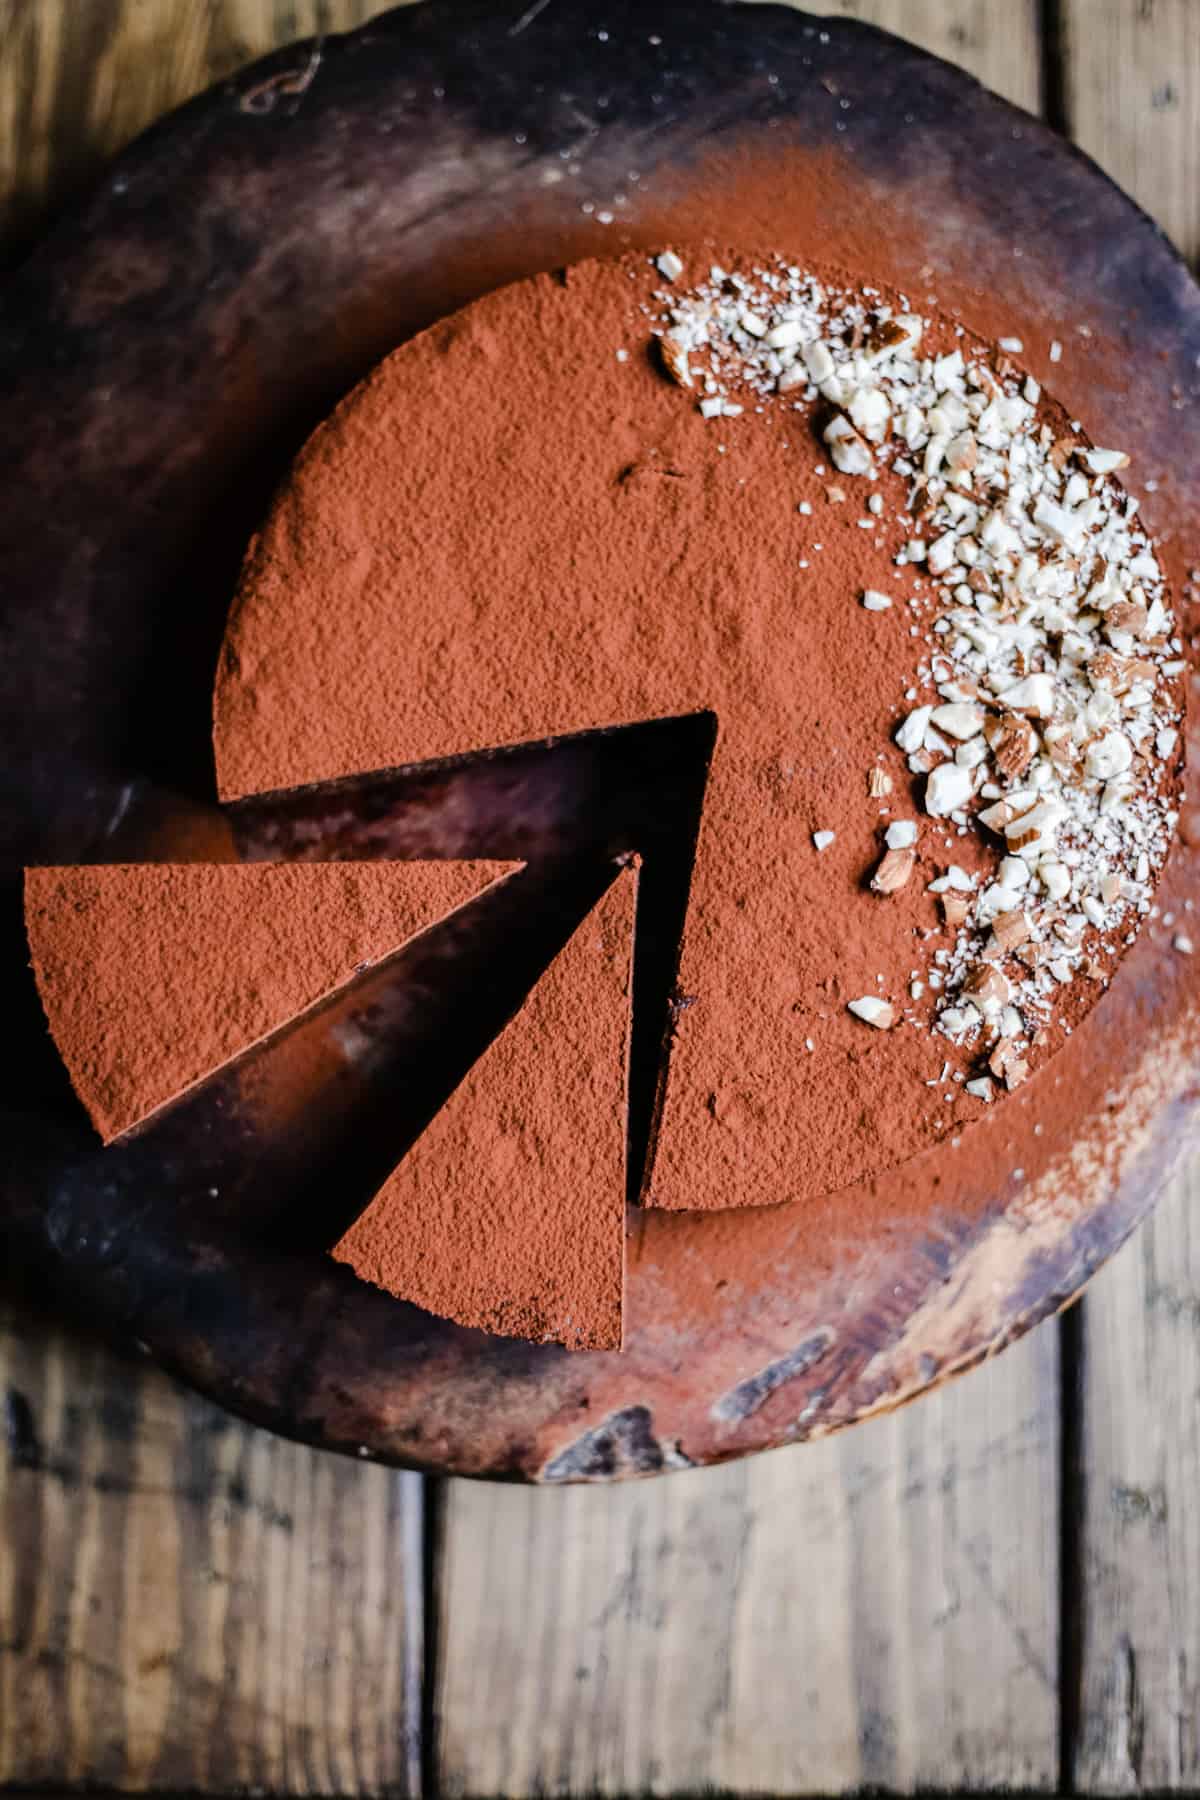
{"points": [[154, 975], [509, 1212]]}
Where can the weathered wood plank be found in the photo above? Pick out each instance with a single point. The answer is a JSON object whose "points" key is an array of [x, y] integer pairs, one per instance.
{"points": [[188, 1603], [879, 1609], [1132, 91], [79, 78], [1139, 1726]]}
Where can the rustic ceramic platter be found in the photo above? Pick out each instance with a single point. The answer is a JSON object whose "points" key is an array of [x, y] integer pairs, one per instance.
{"points": [[163, 353]]}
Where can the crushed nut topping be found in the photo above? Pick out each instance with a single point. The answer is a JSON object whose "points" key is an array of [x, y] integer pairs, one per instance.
{"points": [[1046, 722]]}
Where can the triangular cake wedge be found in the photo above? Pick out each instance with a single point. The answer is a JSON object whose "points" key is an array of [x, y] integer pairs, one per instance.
{"points": [[154, 975], [509, 1212]]}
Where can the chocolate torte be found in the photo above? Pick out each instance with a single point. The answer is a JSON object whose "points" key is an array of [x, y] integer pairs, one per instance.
{"points": [[936, 641], [939, 652]]}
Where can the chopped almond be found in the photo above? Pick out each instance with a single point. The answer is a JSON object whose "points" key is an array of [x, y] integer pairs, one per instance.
{"points": [[997, 816], [1008, 1065], [873, 1011], [1012, 741], [1010, 929], [894, 872], [675, 362], [1127, 615], [1119, 673], [888, 334], [985, 982]]}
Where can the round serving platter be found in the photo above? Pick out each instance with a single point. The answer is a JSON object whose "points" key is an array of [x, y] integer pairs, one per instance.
{"points": [[163, 353]]}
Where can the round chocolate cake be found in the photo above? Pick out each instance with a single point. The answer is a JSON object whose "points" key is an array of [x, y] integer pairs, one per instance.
{"points": [[934, 660]]}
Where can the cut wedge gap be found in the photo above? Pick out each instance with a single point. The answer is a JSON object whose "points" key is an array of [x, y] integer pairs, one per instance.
{"points": [[635, 788], [598, 792], [664, 890]]}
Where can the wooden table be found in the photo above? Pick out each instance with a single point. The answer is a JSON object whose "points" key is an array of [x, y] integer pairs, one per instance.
{"points": [[999, 1587]]}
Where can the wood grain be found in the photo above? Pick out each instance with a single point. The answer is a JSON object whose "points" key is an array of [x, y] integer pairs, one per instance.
{"points": [[190, 1604], [79, 78], [1140, 1525], [1133, 101], [1132, 92], [878, 1609]]}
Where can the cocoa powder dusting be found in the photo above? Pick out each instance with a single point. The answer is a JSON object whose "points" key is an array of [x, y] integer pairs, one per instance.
{"points": [[153, 975], [508, 1214], [508, 532]]}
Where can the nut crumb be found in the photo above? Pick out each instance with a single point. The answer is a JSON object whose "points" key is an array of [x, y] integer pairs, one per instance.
{"points": [[894, 871], [675, 361], [873, 1011], [1010, 929]]}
